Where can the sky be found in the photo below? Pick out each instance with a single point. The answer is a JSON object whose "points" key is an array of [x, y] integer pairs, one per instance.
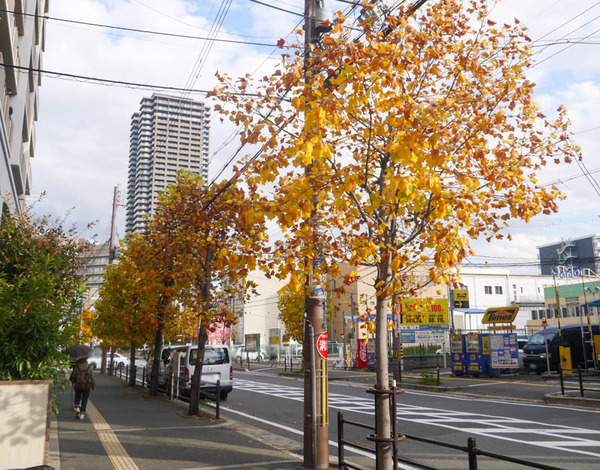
{"points": [[82, 134]]}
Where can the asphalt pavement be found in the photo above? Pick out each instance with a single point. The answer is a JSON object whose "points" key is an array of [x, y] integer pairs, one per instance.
{"points": [[126, 429]]}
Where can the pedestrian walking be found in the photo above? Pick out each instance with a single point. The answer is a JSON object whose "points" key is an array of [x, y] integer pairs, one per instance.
{"points": [[82, 379]]}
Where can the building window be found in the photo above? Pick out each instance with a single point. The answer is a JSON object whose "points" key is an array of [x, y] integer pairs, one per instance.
{"points": [[498, 290], [488, 289], [534, 314]]}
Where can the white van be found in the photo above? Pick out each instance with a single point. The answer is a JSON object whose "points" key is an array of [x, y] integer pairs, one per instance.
{"points": [[164, 365], [217, 366]]}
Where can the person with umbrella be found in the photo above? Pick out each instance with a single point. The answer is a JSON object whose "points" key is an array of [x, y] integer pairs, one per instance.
{"points": [[82, 378]]}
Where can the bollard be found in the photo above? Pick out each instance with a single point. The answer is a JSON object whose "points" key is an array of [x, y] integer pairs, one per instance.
{"points": [[144, 377], [340, 439], [472, 450], [562, 383], [580, 381], [218, 401], [438, 375]]}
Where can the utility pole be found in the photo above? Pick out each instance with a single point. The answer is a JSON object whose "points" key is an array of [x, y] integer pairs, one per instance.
{"points": [[316, 407], [111, 258]]}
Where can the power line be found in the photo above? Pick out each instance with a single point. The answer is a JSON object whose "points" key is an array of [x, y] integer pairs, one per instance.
{"points": [[278, 8], [122, 83], [142, 31], [192, 25]]}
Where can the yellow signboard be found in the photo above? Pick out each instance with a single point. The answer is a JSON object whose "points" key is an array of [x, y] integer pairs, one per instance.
{"points": [[500, 315], [502, 327], [461, 298], [424, 312]]}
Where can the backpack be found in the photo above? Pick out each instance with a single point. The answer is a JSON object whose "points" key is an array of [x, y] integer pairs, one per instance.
{"points": [[82, 379]]}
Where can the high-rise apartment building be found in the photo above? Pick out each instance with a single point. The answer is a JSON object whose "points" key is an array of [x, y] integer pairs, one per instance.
{"points": [[22, 37], [168, 134]]}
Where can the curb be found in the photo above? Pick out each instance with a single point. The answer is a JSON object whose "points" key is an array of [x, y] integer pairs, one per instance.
{"points": [[53, 445], [558, 398]]}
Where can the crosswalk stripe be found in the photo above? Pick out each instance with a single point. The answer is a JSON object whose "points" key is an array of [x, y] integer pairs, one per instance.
{"points": [[557, 437]]}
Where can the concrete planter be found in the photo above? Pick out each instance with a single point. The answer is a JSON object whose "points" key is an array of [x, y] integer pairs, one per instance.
{"points": [[25, 414]]}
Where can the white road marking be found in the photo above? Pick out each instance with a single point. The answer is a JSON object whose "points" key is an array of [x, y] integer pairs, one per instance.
{"points": [[301, 433], [564, 438]]}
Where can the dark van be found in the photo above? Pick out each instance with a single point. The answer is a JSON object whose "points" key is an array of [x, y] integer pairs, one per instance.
{"points": [[534, 352]]}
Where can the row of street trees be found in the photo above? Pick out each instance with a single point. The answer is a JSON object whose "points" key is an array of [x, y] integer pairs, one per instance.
{"points": [[177, 277]]}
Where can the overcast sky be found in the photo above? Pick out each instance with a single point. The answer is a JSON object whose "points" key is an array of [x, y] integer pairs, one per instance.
{"points": [[82, 135]]}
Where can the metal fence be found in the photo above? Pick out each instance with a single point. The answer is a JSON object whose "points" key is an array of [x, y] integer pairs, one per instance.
{"points": [[172, 386], [470, 449], [589, 377]]}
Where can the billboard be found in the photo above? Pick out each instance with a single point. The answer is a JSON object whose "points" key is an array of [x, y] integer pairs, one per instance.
{"points": [[419, 313], [500, 315]]}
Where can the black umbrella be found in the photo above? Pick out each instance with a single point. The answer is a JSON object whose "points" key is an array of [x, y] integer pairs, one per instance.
{"points": [[79, 351]]}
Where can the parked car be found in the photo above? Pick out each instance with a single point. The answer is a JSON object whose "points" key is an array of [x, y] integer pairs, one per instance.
{"points": [[217, 366], [95, 361], [522, 340], [119, 360], [534, 352], [254, 356]]}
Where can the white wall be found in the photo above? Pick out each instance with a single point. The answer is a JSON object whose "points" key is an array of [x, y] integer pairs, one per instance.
{"points": [[261, 312], [527, 291]]}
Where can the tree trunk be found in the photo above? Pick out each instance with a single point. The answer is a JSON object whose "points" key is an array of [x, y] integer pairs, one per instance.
{"points": [[158, 341], [195, 390], [384, 457], [132, 371], [104, 361], [111, 364]]}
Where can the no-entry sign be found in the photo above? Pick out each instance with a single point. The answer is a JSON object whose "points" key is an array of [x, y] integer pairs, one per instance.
{"points": [[322, 345]]}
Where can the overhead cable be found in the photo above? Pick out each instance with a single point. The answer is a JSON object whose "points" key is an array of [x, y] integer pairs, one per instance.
{"points": [[142, 31]]}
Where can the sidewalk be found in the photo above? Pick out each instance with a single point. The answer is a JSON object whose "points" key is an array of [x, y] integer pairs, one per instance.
{"points": [[126, 429]]}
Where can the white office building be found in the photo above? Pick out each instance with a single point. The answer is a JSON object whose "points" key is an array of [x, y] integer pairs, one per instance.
{"points": [[168, 134], [22, 36]]}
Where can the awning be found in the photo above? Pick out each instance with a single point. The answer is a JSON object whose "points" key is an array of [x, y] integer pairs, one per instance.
{"points": [[594, 303], [470, 311]]}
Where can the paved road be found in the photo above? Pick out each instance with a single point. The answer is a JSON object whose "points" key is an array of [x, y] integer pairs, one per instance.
{"points": [[528, 429]]}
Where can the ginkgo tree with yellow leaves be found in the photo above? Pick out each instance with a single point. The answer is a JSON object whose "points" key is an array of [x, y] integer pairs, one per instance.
{"points": [[212, 237], [126, 309], [421, 136]]}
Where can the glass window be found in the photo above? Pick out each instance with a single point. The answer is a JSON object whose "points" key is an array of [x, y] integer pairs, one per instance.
{"points": [[538, 338], [212, 356], [488, 289], [499, 290]]}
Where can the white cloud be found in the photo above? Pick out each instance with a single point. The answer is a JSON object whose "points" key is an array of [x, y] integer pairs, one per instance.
{"points": [[83, 129]]}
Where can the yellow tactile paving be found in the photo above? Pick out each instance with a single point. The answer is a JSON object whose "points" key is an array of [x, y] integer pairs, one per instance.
{"points": [[115, 451]]}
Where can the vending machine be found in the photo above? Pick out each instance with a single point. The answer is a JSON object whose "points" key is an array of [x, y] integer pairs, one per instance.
{"points": [[458, 356], [504, 354], [478, 353]]}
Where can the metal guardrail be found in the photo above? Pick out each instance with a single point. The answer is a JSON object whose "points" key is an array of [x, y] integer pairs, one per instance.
{"points": [[173, 391], [593, 377], [470, 449]]}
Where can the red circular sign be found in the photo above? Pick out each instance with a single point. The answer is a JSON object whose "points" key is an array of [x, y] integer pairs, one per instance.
{"points": [[322, 345]]}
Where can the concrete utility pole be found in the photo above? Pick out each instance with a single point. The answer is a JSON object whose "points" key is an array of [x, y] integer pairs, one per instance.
{"points": [[111, 258], [316, 407]]}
